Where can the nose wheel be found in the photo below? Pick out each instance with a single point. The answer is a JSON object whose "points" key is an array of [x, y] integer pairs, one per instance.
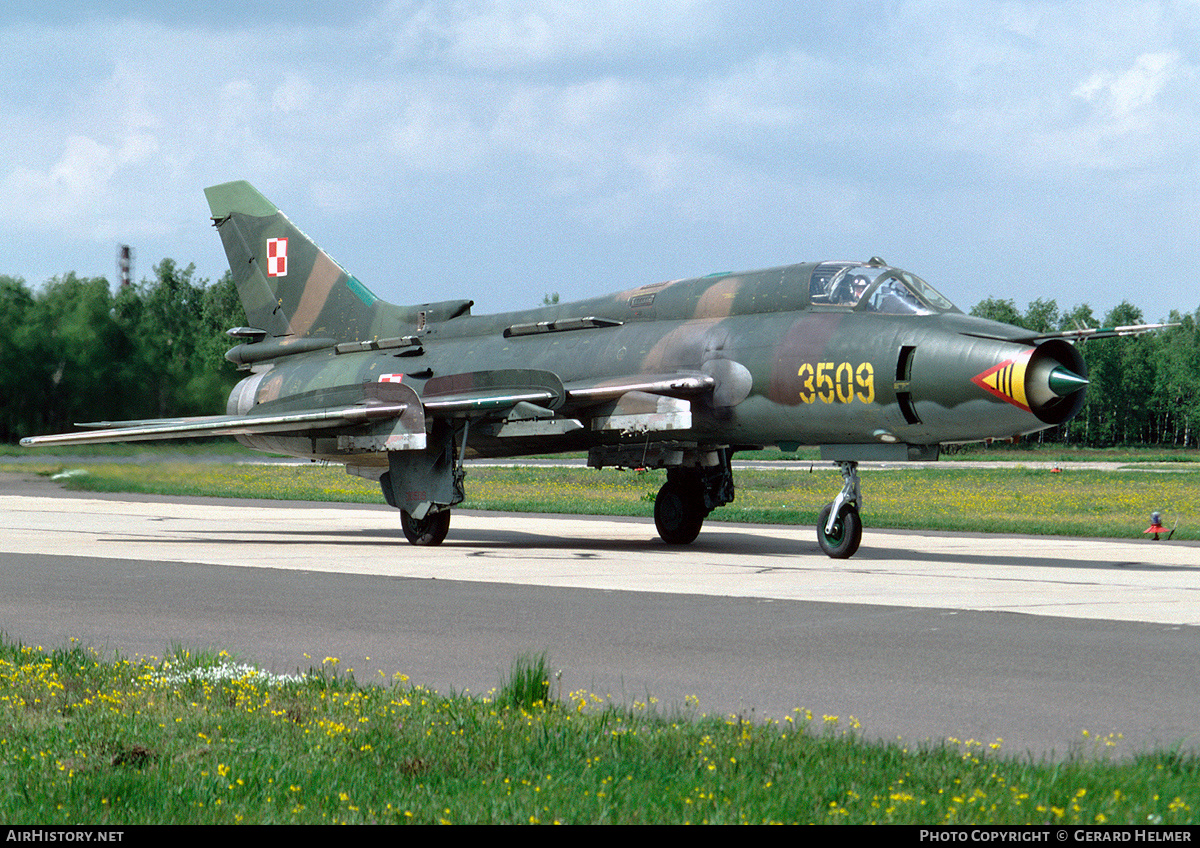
{"points": [[840, 537], [839, 527]]}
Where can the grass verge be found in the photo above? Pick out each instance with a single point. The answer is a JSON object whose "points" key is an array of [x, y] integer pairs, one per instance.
{"points": [[1003, 500], [202, 739]]}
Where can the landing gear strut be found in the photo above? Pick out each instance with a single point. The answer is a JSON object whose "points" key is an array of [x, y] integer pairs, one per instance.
{"points": [[839, 528]]}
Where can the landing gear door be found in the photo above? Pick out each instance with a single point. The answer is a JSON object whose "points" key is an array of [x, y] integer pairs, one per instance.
{"points": [[418, 481]]}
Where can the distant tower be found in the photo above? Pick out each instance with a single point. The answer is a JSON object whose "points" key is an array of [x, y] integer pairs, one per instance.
{"points": [[125, 265]]}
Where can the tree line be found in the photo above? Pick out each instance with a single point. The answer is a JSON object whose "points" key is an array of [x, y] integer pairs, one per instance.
{"points": [[74, 350]]}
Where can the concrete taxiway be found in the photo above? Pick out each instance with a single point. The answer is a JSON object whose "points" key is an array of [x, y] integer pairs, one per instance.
{"points": [[1032, 640]]}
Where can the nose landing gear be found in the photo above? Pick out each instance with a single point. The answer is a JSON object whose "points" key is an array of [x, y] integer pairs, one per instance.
{"points": [[839, 527]]}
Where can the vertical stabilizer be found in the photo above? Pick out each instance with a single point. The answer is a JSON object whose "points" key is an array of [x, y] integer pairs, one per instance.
{"points": [[289, 286]]}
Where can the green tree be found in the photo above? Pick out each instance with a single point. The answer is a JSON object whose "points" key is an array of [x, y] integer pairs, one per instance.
{"points": [[77, 353], [1121, 372], [994, 309], [1176, 394], [180, 326], [214, 376], [17, 402], [1080, 317], [1041, 316]]}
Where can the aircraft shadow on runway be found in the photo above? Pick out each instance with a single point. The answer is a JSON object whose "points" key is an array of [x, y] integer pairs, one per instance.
{"points": [[516, 540], [709, 542]]}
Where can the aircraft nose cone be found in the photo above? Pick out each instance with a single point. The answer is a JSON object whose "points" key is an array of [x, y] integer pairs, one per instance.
{"points": [[1063, 381]]}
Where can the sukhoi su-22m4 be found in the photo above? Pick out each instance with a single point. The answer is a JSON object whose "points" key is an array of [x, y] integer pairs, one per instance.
{"points": [[864, 360]]}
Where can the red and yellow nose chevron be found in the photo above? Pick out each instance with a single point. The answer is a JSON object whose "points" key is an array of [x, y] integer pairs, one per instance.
{"points": [[1007, 380]]}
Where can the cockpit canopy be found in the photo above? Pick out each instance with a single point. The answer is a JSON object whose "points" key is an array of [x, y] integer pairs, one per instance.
{"points": [[874, 287]]}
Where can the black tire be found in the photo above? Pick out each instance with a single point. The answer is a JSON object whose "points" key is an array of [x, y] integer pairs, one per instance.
{"points": [[430, 530], [678, 514], [846, 535]]}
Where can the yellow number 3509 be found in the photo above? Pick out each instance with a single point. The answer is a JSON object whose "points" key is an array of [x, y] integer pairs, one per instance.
{"points": [[840, 381]]}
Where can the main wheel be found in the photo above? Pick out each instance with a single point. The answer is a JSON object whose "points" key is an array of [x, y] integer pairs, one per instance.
{"points": [[678, 514], [843, 541], [430, 530]]}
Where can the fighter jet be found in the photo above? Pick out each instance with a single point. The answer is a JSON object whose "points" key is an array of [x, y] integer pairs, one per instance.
{"points": [[864, 360]]}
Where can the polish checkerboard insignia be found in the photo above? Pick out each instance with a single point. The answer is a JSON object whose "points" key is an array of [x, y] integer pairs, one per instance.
{"points": [[277, 257]]}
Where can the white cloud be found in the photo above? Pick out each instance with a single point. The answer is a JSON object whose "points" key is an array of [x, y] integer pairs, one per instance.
{"points": [[687, 123], [1135, 88], [58, 195], [500, 34], [293, 94]]}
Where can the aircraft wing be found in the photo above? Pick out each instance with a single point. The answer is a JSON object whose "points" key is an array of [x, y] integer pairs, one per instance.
{"points": [[383, 402], [219, 425], [523, 398], [1082, 334]]}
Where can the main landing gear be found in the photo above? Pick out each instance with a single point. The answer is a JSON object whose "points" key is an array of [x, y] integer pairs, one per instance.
{"points": [[427, 482], [689, 495], [430, 530], [679, 513], [839, 527]]}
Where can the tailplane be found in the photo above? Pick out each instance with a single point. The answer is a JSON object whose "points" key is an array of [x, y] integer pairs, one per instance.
{"points": [[288, 285]]}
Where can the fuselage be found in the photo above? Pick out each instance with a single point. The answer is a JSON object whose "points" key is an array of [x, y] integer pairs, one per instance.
{"points": [[793, 360]]}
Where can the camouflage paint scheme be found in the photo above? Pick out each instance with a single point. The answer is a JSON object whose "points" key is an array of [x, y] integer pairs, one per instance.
{"points": [[863, 360]]}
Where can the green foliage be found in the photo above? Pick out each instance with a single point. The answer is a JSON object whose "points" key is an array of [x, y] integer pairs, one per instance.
{"points": [[994, 309], [75, 351], [528, 684], [200, 738], [17, 405], [1041, 316]]}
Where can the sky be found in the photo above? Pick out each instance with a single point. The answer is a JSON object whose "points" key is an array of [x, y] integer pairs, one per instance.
{"points": [[499, 150]]}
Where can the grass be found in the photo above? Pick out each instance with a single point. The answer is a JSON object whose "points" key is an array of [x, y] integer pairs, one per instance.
{"points": [[209, 447], [204, 739], [1031, 451], [958, 497], [528, 684]]}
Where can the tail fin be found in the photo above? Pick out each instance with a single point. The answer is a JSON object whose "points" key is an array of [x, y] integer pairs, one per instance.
{"points": [[288, 285]]}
